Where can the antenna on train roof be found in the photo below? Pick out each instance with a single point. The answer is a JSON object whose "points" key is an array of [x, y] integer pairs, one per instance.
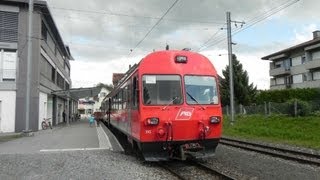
{"points": [[186, 49], [167, 47]]}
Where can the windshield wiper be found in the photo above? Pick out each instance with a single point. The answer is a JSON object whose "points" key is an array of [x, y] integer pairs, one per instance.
{"points": [[195, 100], [170, 102]]}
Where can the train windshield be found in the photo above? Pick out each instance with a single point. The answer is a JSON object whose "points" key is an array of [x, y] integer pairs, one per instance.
{"points": [[162, 89], [201, 90]]}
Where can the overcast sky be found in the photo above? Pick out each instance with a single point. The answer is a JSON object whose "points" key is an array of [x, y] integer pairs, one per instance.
{"points": [[103, 34]]}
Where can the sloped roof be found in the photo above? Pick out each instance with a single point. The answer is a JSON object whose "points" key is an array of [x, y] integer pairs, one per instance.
{"points": [[301, 45], [116, 78]]}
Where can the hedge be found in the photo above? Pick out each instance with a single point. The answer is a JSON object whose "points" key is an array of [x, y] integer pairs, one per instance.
{"points": [[281, 96]]}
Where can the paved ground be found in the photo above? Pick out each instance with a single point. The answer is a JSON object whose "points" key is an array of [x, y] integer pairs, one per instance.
{"points": [[82, 152], [77, 135], [95, 164], [72, 152]]}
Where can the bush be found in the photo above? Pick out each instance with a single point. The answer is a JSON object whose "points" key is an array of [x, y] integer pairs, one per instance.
{"points": [[303, 108], [316, 113], [280, 96]]}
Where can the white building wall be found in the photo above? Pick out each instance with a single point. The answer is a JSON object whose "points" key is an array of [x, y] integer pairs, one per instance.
{"points": [[296, 61], [60, 105], [297, 78], [280, 80], [7, 111], [316, 55], [316, 75], [44, 107], [97, 105], [103, 93], [50, 108]]}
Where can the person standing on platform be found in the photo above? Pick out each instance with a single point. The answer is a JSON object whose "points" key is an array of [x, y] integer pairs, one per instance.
{"points": [[64, 116], [91, 120]]}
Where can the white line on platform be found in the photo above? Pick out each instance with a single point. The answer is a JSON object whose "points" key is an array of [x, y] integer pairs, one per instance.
{"points": [[71, 149], [103, 138]]}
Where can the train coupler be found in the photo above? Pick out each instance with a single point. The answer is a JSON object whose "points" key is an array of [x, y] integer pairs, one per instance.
{"points": [[187, 150]]}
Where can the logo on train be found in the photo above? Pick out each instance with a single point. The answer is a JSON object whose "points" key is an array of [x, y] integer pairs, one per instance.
{"points": [[184, 114]]}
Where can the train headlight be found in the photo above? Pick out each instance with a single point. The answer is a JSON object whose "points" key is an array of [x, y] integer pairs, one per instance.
{"points": [[181, 59], [215, 120], [153, 121]]}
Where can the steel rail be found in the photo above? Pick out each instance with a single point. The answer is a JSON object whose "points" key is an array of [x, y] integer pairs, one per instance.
{"points": [[178, 175], [198, 165], [213, 171], [273, 151]]}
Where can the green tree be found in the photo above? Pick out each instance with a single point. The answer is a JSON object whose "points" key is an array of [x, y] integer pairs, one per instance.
{"points": [[107, 86], [244, 93]]}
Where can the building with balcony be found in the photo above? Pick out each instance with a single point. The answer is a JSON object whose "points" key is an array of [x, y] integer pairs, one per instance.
{"points": [[89, 105], [297, 66], [50, 67]]}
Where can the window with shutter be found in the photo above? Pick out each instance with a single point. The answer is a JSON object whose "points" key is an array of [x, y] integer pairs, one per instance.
{"points": [[8, 26]]}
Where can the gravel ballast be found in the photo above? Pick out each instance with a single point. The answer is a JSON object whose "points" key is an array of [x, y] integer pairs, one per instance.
{"points": [[101, 164], [242, 163]]}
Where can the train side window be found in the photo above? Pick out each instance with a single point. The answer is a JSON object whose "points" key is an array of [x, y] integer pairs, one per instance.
{"points": [[120, 98], [117, 101], [125, 97], [135, 92], [112, 104]]}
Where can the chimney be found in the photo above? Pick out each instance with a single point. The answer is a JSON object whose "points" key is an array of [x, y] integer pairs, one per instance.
{"points": [[316, 34]]}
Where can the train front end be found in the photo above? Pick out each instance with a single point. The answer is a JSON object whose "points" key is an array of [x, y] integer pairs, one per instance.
{"points": [[180, 108]]}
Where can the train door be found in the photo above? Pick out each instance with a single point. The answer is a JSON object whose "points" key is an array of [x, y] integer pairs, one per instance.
{"points": [[127, 107], [134, 106], [109, 110]]}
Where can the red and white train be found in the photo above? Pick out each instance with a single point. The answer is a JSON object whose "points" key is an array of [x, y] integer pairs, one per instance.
{"points": [[168, 106]]}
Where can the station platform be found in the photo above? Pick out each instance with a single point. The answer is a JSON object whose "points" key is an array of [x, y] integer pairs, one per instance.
{"points": [[77, 136]]}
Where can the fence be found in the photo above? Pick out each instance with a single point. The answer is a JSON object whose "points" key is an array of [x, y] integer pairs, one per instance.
{"points": [[295, 108]]}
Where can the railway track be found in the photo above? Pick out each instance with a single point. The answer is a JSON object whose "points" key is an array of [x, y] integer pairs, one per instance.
{"points": [[193, 170], [301, 157]]}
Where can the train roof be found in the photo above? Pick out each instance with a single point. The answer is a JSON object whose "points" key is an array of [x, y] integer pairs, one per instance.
{"points": [[162, 62], [166, 61]]}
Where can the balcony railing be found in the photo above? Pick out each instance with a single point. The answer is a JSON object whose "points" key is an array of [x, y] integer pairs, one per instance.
{"points": [[279, 71], [313, 64]]}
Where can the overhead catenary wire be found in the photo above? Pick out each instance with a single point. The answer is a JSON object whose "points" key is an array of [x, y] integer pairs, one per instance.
{"points": [[131, 15], [204, 44], [215, 39], [254, 21], [201, 25], [146, 35], [92, 45], [262, 16]]}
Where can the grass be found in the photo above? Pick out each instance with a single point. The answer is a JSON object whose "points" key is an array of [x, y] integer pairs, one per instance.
{"points": [[299, 131]]}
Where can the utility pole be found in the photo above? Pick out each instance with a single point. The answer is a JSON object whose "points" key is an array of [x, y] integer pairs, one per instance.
{"points": [[29, 66], [230, 67], [231, 63]]}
